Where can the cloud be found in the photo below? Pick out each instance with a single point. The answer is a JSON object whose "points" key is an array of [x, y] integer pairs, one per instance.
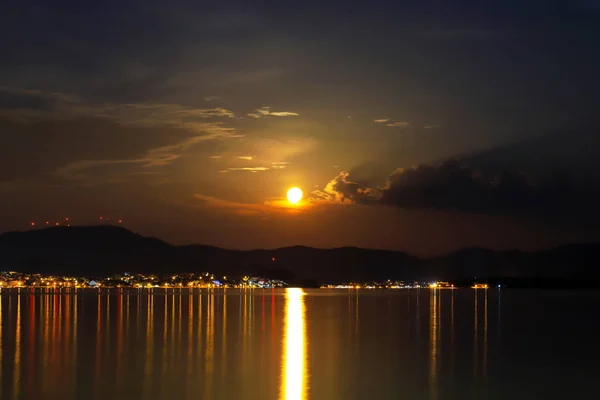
{"points": [[66, 106], [215, 157], [279, 164], [70, 135], [283, 114], [454, 187], [156, 157], [399, 124], [73, 171], [266, 112], [432, 126], [245, 157], [252, 169], [67, 98], [212, 98], [342, 190], [387, 122]]}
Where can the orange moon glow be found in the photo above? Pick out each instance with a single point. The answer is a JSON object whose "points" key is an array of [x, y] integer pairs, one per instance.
{"points": [[294, 195]]}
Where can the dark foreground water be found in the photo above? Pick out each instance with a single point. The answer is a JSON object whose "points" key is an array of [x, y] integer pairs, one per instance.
{"points": [[294, 344]]}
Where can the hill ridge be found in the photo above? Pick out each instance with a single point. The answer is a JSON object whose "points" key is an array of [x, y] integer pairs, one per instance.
{"points": [[108, 249]]}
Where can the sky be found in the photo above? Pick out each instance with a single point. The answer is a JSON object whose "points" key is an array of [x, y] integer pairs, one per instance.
{"points": [[419, 126]]}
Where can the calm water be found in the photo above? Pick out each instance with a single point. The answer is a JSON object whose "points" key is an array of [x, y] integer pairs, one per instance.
{"points": [[444, 344]]}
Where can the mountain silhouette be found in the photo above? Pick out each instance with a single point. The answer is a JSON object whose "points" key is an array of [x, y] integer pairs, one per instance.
{"points": [[106, 250]]}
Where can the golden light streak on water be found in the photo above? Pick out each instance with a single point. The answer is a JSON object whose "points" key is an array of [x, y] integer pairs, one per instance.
{"points": [[149, 358], [46, 339], [199, 333], [67, 322], [60, 317], [452, 349], [1, 333], [138, 311], [433, 345], [165, 326], [67, 348], [294, 366], [74, 344], [356, 321], [107, 323], [173, 324], [224, 336], [476, 314], [97, 368], [209, 355], [245, 329], [485, 333], [119, 369], [180, 322], [251, 313], [190, 336], [55, 325], [127, 314], [17, 366]]}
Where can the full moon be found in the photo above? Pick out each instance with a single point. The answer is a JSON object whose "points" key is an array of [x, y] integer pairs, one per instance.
{"points": [[294, 195]]}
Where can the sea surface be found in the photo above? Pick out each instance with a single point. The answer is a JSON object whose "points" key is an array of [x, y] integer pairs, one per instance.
{"points": [[300, 344]]}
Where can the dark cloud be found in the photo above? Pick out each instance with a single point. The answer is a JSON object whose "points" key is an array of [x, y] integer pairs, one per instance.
{"points": [[575, 153], [454, 187], [343, 190]]}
